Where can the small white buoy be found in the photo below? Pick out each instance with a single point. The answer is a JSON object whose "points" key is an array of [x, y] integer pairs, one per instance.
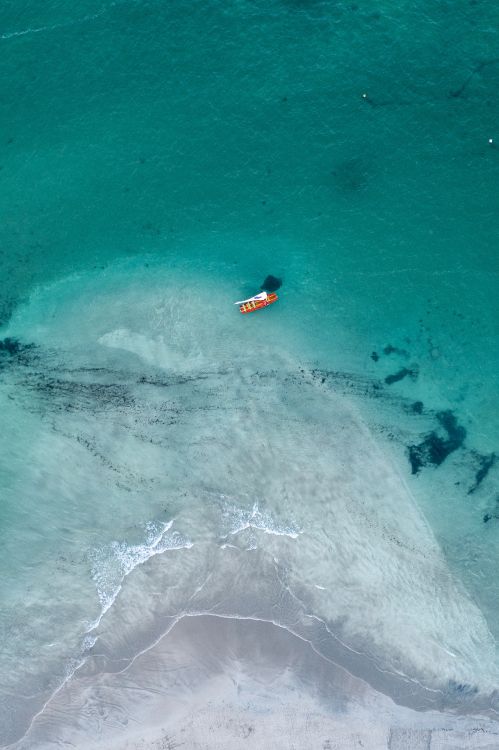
{"points": [[491, 141]]}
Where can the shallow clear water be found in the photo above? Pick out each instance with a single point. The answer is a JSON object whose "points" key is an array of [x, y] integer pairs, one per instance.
{"points": [[157, 162]]}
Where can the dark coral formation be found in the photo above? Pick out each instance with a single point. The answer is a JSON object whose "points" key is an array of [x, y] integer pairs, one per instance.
{"points": [[434, 449], [405, 372]]}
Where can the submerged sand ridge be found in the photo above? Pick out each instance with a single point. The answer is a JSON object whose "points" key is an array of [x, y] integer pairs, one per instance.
{"points": [[198, 479]]}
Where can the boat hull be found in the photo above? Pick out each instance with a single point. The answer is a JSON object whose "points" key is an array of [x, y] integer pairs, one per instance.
{"points": [[254, 305]]}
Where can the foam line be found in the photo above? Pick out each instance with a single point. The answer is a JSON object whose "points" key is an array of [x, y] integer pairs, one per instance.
{"points": [[240, 519], [56, 26], [112, 563]]}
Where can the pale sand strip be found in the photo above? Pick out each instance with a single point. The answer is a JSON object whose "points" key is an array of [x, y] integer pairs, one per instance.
{"points": [[227, 684]]}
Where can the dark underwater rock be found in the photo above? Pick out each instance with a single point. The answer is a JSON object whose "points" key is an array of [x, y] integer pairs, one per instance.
{"points": [[434, 449], [271, 284]]}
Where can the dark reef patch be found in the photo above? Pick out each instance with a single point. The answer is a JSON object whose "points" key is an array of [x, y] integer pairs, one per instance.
{"points": [[374, 356], [494, 513], [485, 463], [10, 346], [395, 350], [434, 449], [405, 372], [417, 407], [13, 349], [271, 283]]}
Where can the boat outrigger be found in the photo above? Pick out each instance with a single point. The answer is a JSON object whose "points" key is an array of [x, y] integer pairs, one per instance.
{"points": [[257, 302]]}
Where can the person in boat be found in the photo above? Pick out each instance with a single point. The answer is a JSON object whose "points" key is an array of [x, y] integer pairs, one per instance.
{"points": [[261, 297]]}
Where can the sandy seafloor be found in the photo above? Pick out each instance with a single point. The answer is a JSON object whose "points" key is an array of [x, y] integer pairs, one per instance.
{"points": [[174, 494], [231, 683], [278, 530]]}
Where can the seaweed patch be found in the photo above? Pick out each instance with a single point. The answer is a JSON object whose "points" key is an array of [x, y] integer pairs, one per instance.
{"points": [[463, 689], [434, 449], [485, 465], [347, 382], [61, 394], [493, 513], [405, 372], [11, 346], [395, 350], [13, 349]]}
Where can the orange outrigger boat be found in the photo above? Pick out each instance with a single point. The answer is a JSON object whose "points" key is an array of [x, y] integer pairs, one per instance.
{"points": [[257, 302]]}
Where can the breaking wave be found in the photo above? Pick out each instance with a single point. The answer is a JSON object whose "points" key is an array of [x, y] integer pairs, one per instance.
{"points": [[112, 563]]}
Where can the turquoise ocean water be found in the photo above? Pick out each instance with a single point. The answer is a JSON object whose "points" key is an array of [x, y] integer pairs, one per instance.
{"points": [[340, 450]]}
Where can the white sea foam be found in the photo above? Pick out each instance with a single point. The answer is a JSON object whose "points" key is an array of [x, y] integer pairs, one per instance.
{"points": [[236, 519], [113, 562], [57, 26]]}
